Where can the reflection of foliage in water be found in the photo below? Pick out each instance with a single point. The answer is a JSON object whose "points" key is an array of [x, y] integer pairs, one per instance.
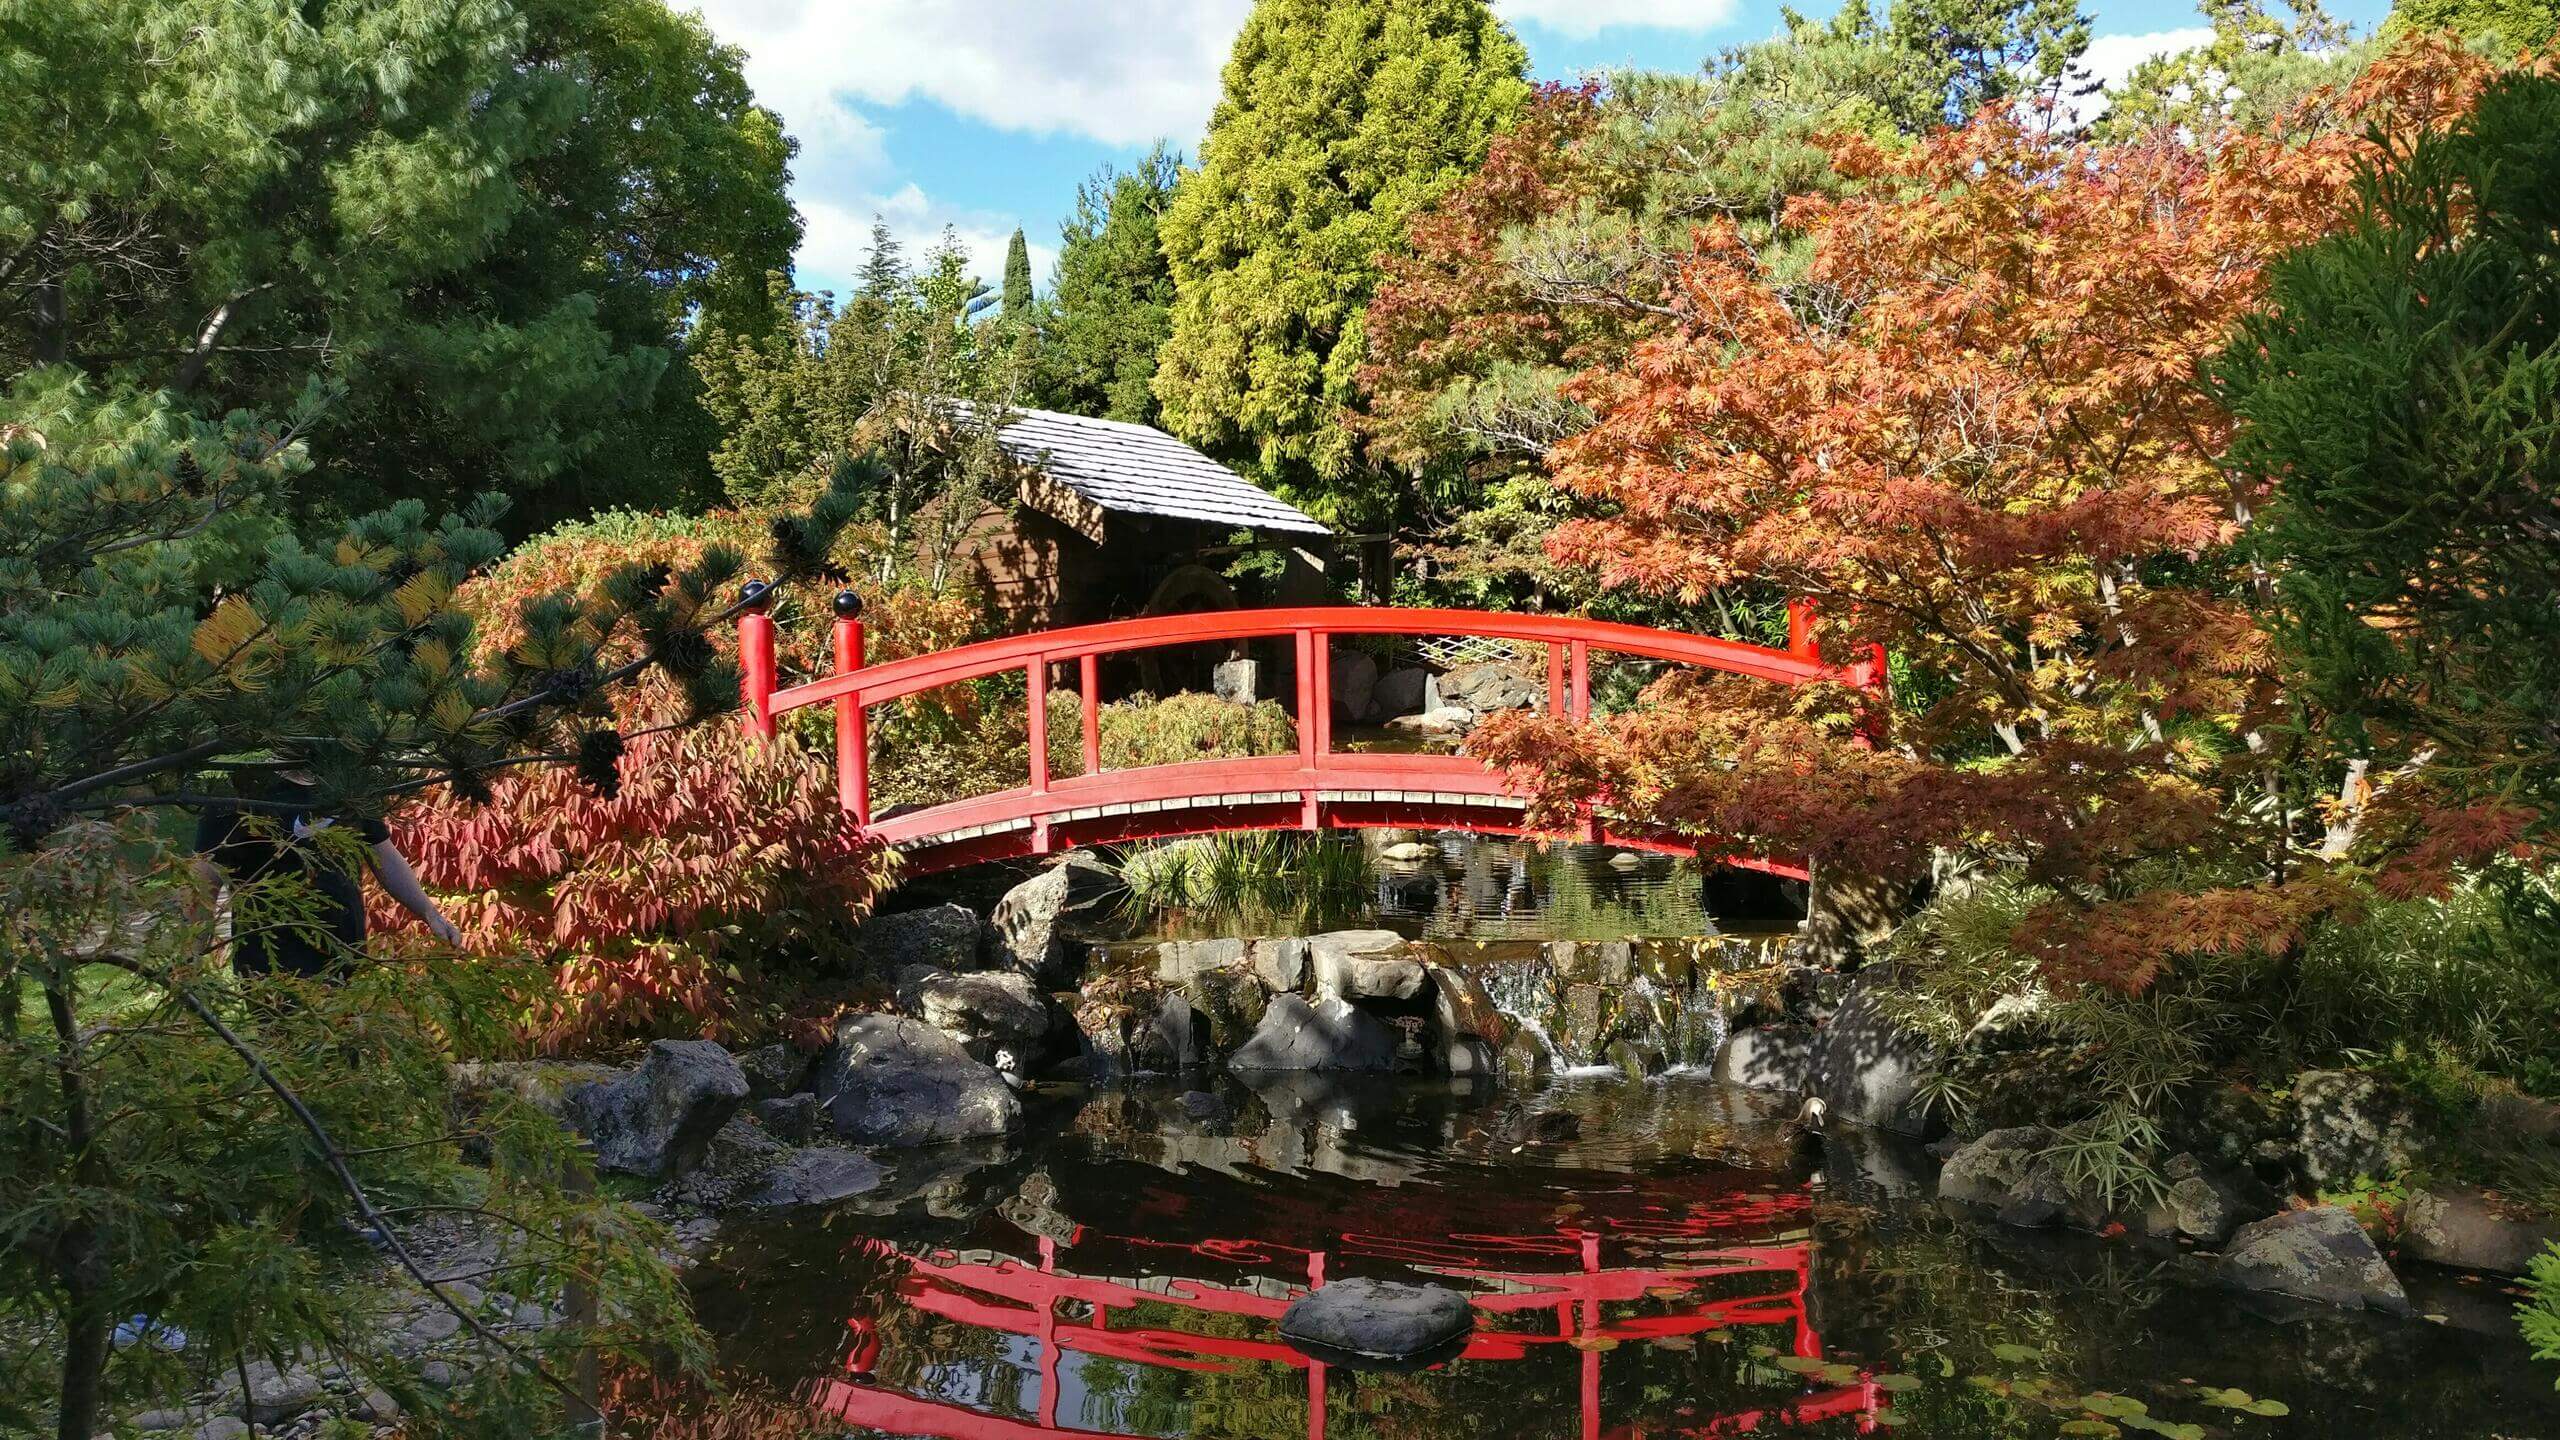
{"points": [[1472, 887]]}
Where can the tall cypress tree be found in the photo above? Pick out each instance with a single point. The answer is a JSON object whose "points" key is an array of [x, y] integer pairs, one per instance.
{"points": [[1016, 308], [1338, 119]]}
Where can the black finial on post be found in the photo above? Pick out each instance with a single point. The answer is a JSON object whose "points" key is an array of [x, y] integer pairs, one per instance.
{"points": [[756, 596], [848, 605]]}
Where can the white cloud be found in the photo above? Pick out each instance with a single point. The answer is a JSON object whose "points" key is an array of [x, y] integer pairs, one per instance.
{"points": [[1122, 72], [836, 238], [2111, 58], [1584, 18]]}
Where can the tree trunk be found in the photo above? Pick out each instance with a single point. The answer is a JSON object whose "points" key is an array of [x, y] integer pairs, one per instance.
{"points": [[79, 1252]]}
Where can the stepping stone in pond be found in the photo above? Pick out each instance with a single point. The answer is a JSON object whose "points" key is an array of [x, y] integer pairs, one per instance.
{"points": [[1379, 1323]]}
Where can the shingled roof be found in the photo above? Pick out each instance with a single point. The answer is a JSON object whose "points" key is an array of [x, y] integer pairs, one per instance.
{"points": [[1138, 469]]}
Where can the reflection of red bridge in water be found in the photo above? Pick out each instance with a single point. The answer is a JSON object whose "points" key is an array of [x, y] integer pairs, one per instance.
{"points": [[1315, 788], [1008, 1295]]}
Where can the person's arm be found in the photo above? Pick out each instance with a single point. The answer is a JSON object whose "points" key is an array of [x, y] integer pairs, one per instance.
{"points": [[401, 884]]}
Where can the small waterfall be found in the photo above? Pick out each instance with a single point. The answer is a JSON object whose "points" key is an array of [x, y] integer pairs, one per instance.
{"points": [[1525, 992]]}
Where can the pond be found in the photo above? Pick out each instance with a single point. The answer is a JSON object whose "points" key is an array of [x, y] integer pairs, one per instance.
{"points": [[1666, 1262]]}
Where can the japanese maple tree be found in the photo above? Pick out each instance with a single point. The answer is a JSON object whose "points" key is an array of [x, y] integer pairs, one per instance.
{"points": [[1973, 431]]}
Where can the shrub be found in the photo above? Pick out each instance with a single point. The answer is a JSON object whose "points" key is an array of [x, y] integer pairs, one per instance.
{"points": [[1143, 730], [2539, 1315]]}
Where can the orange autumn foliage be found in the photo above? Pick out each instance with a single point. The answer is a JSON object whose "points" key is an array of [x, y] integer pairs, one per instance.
{"points": [[1973, 430]]}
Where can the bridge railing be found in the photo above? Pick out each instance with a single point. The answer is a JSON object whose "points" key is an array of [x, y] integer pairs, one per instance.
{"points": [[1303, 779]]}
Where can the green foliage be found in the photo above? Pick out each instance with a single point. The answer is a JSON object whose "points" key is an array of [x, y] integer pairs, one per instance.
{"points": [[488, 222], [1015, 308], [2401, 401], [1254, 882], [2255, 68], [1981, 52], [151, 1164], [2538, 1315], [1143, 730], [2512, 25], [1337, 120], [905, 373], [1111, 302]]}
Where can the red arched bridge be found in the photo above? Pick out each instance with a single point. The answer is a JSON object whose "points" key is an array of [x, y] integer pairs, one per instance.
{"points": [[1316, 787]]}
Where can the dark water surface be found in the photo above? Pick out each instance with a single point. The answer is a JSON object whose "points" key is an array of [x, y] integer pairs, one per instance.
{"points": [[1678, 1269]]}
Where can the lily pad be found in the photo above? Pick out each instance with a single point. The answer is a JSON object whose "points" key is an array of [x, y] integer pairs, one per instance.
{"points": [[1897, 1384], [1801, 1364], [2089, 1427], [2017, 1354], [2113, 1406]]}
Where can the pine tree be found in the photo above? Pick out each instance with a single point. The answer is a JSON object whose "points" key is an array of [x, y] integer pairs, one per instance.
{"points": [[2511, 25], [1111, 300], [1985, 51], [1337, 119]]}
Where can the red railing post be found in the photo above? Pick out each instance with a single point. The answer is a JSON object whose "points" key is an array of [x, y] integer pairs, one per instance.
{"points": [[1310, 701], [755, 659], [853, 735], [1038, 674], [1581, 680], [1324, 695], [1555, 680], [1089, 687], [1800, 615]]}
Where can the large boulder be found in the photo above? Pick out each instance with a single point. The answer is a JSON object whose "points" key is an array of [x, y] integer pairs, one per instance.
{"points": [[991, 1013], [1179, 960], [658, 1120], [1995, 1169], [1229, 1003], [1409, 691], [1462, 1009], [1355, 685], [1331, 1034], [1042, 925], [1377, 1320], [943, 937], [2207, 1205], [1281, 963], [2347, 1125], [774, 1071], [1365, 965], [2460, 1227], [1867, 1068], [1768, 1057], [2315, 1254], [1490, 685], [888, 1080]]}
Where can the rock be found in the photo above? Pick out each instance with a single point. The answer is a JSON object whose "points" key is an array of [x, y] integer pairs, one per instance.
{"points": [[274, 1397], [890, 1081], [986, 1011], [376, 1405], [1281, 964], [152, 1420], [1041, 925], [543, 1084], [1408, 691], [2010, 1022], [1866, 1067], [1769, 1057], [2208, 1207], [438, 1373], [1525, 1055], [1238, 681], [1468, 1057], [775, 1070], [1601, 962], [2524, 1116], [222, 1427], [656, 1121], [2348, 1124], [1378, 1320], [1201, 1105], [1438, 724], [1355, 684], [821, 1175], [1179, 960], [944, 937], [2315, 1254], [1848, 915], [2459, 1227], [1176, 1038], [1490, 685], [1462, 1008], [1993, 1170], [2030, 1212], [1634, 1058], [1410, 852], [435, 1325], [1364, 964], [792, 1119], [1328, 1035], [1228, 1003]]}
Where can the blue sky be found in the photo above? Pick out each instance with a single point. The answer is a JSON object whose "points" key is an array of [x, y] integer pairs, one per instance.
{"points": [[984, 114]]}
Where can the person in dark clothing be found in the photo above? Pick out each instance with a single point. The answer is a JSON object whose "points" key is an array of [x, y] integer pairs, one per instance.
{"points": [[272, 837]]}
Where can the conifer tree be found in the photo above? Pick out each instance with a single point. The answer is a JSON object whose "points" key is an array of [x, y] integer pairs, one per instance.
{"points": [[1111, 300], [1337, 119], [1016, 307]]}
